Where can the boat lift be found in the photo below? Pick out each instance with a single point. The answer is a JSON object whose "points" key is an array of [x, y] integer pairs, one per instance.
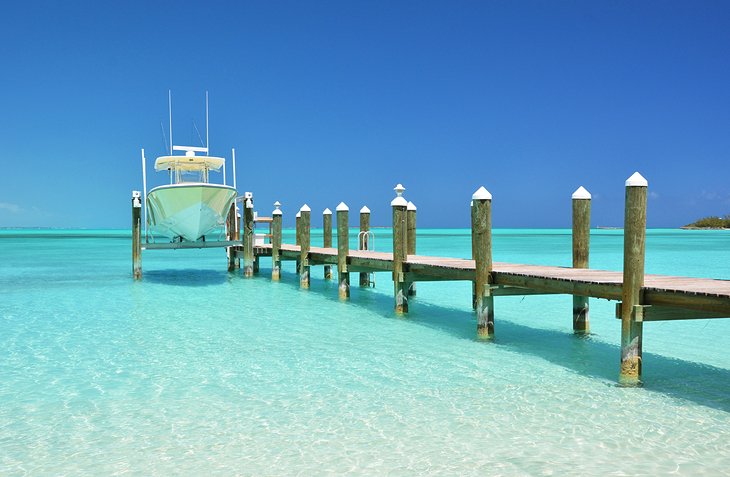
{"points": [[233, 222]]}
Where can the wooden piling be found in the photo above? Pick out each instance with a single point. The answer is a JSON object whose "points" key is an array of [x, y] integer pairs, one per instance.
{"points": [[236, 222], [411, 240], [343, 247], [399, 205], [364, 241], [276, 242], [136, 235], [231, 223], [304, 243], [230, 235], [297, 222], [327, 239], [248, 237], [663, 298], [473, 247], [633, 280], [581, 246], [482, 240]]}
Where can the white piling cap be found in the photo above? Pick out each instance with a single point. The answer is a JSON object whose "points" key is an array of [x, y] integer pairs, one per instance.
{"points": [[305, 208], [581, 193], [342, 207], [299, 214], [481, 194], [327, 212], [399, 200], [277, 204], [411, 206], [364, 210], [636, 180], [277, 210]]}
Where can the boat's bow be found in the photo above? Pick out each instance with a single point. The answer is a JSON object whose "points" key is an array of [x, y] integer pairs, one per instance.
{"points": [[189, 210]]}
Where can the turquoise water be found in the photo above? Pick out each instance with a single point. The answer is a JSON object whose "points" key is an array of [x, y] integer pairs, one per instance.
{"points": [[196, 371]]}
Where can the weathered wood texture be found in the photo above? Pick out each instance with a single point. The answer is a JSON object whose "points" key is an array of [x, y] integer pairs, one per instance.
{"points": [[482, 236], [694, 294], [276, 246], [364, 244], [581, 248], [231, 234], [297, 224], [667, 313], [410, 243], [473, 284], [399, 258], [343, 247], [304, 240], [327, 239], [633, 281]]}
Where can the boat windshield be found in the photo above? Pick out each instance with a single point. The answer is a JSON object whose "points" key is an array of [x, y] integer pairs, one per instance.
{"points": [[188, 168], [182, 175]]}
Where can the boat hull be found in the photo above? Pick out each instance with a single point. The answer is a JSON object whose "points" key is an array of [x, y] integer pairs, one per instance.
{"points": [[188, 210]]}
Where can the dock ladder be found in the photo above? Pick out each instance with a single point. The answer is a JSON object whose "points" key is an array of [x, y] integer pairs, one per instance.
{"points": [[366, 241]]}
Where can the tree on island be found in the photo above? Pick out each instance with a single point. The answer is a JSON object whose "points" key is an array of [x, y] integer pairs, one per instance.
{"points": [[711, 222]]}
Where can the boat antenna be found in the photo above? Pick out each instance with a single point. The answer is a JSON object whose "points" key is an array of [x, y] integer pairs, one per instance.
{"points": [[164, 138], [198, 133], [207, 144], [169, 105]]}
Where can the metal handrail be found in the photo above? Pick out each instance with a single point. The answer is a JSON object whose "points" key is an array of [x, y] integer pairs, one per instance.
{"points": [[366, 240]]}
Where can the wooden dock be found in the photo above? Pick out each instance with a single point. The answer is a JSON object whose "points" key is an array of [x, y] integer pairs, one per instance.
{"points": [[690, 297], [640, 298]]}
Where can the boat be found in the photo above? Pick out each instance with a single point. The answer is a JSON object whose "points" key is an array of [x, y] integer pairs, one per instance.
{"points": [[190, 206]]}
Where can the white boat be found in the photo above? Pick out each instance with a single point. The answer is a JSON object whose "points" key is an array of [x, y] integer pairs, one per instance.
{"points": [[190, 206]]}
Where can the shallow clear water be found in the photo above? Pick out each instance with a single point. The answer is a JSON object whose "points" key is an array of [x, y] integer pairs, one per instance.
{"points": [[196, 371]]}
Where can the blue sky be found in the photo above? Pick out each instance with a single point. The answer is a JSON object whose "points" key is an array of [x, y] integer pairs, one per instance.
{"points": [[340, 100]]}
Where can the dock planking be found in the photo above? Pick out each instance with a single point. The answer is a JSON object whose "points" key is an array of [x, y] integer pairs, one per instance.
{"points": [[700, 294]]}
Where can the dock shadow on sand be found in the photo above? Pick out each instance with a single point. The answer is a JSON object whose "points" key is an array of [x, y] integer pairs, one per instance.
{"points": [[696, 382]]}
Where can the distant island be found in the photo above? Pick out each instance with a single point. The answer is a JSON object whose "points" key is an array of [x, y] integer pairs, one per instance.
{"points": [[710, 223]]}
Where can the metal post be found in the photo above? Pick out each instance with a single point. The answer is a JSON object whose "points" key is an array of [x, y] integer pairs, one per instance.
{"points": [[136, 235], [144, 189]]}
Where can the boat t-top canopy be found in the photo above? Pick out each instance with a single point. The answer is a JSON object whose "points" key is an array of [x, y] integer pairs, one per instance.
{"points": [[189, 163]]}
